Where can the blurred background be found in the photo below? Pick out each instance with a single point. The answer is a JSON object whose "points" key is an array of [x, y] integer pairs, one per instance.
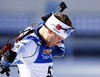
{"points": [[82, 57]]}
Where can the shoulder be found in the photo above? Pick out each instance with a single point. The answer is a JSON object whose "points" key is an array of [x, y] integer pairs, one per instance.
{"points": [[31, 39], [32, 36], [25, 47]]}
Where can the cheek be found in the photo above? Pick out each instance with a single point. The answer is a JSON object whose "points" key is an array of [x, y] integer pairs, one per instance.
{"points": [[54, 38], [51, 38]]}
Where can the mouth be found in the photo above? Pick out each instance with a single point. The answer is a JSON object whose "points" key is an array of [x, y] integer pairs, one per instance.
{"points": [[53, 45]]}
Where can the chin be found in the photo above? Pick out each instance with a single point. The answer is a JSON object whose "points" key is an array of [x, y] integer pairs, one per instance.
{"points": [[49, 46]]}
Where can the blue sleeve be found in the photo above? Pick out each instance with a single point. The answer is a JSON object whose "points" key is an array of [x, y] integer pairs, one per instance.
{"points": [[59, 50]]}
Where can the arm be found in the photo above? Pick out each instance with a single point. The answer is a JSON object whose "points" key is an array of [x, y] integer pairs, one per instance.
{"points": [[10, 55], [59, 50]]}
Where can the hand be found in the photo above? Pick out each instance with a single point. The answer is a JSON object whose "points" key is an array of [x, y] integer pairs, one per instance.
{"points": [[5, 69]]}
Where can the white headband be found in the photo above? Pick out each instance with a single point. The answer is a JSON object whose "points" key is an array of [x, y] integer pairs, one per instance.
{"points": [[52, 24]]}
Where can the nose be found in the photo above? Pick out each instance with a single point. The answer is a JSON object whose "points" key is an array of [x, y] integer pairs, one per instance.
{"points": [[59, 42]]}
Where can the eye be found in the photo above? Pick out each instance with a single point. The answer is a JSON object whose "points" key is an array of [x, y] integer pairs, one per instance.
{"points": [[59, 38]]}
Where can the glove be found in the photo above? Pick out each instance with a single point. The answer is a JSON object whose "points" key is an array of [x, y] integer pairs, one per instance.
{"points": [[8, 57], [5, 69]]}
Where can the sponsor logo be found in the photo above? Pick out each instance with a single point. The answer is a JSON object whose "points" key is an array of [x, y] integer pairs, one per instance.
{"points": [[17, 46], [47, 57], [39, 43], [57, 27], [46, 51], [56, 30]]}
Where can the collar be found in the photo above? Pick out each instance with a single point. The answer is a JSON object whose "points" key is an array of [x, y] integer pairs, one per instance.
{"points": [[40, 38]]}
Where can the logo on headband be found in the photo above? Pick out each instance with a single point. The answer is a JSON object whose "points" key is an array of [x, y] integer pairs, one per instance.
{"points": [[58, 27]]}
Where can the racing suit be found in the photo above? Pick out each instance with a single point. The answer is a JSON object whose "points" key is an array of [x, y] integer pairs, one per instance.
{"points": [[34, 58]]}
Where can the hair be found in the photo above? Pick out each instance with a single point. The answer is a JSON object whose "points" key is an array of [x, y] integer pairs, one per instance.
{"points": [[64, 18]]}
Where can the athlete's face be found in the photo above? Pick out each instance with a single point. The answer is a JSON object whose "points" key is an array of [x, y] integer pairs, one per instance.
{"points": [[54, 39]]}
